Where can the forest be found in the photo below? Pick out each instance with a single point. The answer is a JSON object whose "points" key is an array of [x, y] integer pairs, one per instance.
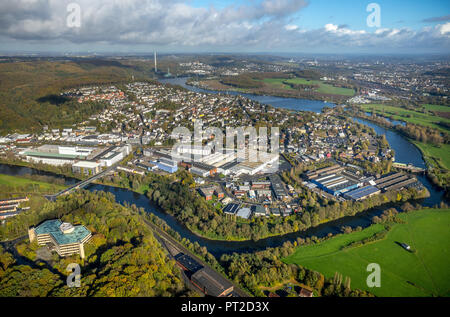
{"points": [[122, 259], [30, 90]]}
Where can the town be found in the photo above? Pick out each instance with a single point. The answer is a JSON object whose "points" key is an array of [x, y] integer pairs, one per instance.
{"points": [[133, 135]]}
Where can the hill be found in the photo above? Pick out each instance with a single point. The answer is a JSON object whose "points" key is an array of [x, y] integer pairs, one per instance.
{"points": [[29, 90]]}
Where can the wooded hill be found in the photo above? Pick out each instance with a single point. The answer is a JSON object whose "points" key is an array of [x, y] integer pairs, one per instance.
{"points": [[29, 90]]}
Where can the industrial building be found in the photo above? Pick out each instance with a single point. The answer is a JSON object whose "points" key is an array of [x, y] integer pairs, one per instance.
{"points": [[209, 282], [362, 193], [217, 287], [166, 165], [11, 207], [206, 192], [60, 155], [244, 213], [278, 187], [56, 155], [86, 168], [231, 209], [394, 181], [334, 180], [62, 237], [259, 210], [202, 169]]}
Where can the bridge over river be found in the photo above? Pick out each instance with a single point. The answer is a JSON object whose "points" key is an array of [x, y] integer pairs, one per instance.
{"points": [[82, 184], [409, 167]]}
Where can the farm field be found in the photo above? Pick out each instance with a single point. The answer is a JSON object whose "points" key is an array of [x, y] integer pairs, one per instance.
{"points": [[423, 272], [439, 155], [411, 116], [323, 87], [439, 108], [27, 185]]}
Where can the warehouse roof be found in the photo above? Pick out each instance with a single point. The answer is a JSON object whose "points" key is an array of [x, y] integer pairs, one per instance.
{"points": [[214, 286], [362, 192]]}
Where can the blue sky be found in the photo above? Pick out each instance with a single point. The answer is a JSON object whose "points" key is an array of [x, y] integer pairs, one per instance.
{"points": [[395, 13], [314, 26]]}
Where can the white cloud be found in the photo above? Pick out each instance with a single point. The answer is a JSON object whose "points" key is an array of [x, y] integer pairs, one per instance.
{"points": [[331, 27], [445, 28], [291, 27], [266, 25]]}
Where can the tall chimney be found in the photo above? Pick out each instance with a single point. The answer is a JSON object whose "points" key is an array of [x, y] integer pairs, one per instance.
{"points": [[156, 68]]}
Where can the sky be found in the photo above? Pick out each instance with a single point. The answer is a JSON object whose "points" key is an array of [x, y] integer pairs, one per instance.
{"points": [[273, 26]]}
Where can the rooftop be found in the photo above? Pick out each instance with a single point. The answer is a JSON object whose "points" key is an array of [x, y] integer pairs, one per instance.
{"points": [[53, 227]]}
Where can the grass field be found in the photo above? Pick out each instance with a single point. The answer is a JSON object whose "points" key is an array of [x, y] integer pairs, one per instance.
{"points": [[422, 273], [439, 108], [27, 185], [411, 116], [438, 155], [323, 87]]}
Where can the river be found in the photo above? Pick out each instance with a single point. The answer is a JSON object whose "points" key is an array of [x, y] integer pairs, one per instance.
{"points": [[405, 152], [277, 102]]}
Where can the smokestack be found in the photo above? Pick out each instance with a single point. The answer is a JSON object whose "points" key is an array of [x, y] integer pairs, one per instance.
{"points": [[156, 69]]}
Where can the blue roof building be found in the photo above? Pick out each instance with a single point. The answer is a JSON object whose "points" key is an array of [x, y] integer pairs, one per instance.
{"points": [[362, 193], [62, 237]]}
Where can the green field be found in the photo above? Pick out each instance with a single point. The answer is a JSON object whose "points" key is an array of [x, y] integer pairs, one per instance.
{"points": [[421, 273], [439, 108], [438, 155], [397, 113], [21, 184], [323, 87]]}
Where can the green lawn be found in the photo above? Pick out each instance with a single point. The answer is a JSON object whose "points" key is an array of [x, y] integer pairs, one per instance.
{"points": [[439, 108], [437, 154], [22, 184], [423, 273], [323, 87], [411, 116]]}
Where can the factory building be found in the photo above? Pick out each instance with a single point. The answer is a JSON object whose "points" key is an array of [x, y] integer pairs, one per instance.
{"points": [[207, 193], [231, 208], [259, 210], [394, 181], [56, 155], [334, 180], [278, 187], [362, 193], [111, 158], [208, 281], [166, 165], [244, 213], [86, 168], [203, 169]]}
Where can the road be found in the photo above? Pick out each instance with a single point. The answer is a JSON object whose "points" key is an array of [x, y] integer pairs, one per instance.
{"points": [[82, 183]]}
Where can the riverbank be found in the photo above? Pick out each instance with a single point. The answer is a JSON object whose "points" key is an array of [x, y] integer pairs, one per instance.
{"points": [[297, 104], [281, 94], [432, 156], [26, 185], [281, 85]]}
